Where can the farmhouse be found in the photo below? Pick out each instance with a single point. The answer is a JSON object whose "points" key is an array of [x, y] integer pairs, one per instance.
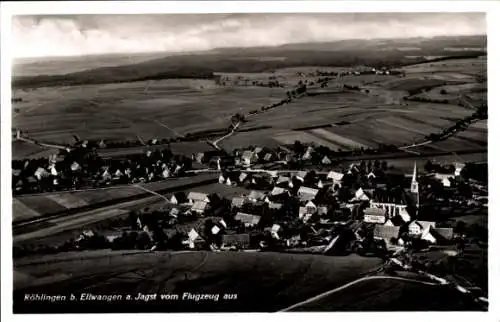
{"points": [[306, 193], [197, 196], [199, 206], [255, 196], [237, 202], [247, 219]]}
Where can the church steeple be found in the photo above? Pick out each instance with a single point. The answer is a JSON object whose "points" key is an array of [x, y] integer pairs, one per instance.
{"points": [[414, 186]]}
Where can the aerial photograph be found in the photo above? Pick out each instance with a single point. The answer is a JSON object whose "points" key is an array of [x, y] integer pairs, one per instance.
{"points": [[249, 162]]}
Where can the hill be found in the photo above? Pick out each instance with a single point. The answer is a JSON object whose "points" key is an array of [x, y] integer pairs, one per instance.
{"points": [[246, 60]]}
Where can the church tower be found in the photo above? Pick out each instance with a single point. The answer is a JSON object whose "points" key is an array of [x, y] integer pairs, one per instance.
{"points": [[414, 187]]}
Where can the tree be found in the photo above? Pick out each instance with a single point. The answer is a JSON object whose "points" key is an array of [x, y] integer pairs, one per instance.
{"points": [[428, 166]]}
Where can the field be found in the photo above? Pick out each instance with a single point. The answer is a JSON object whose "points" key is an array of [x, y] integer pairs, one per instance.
{"points": [[168, 108], [263, 282], [392, 295]]}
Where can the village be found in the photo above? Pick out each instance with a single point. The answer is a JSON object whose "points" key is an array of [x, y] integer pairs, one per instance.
{"points": [[369, 208]]}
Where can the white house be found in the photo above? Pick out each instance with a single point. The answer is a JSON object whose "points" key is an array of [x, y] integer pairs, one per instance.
{"points": [[300, 175], [199, 206], [311, 207], [326, 160], [41, 173], [444, 178], [197, 196], [336, 177], [306, 193], [360, 195], [75, 166], [420, 227], [255, 196]]}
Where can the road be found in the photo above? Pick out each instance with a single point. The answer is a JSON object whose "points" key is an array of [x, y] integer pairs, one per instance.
{"points": [[235, 127], [335, 290]]}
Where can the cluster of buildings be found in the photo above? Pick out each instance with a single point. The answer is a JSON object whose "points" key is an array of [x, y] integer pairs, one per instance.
{"points": [[302, 209], [81, 167]]}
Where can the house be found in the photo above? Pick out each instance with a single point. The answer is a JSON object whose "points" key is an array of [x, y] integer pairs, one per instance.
{"points": [[275, 205], [326, 160], [215, 230], [386, 232], [223, 223], [301, 175], [199, 206], [247, 219], [306, 193], [255, 196], [41, 173], [279, 191], [240, 241], [75, 166], [311, 207], [283, 181], [322, 210], [419, 227], [178, 198], [174, 212], [268, 157], [360, 195], [458, 168], [374, 215], [405, 216], [444, 178], [197, 196], [237, 202], [274, 231], [302, 212], [320, 184], [242, 177], [222, 179], [336, 177], [248, 157]]}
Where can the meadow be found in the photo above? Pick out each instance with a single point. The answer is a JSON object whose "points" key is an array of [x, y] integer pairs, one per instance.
{"points": [[263, 282]]}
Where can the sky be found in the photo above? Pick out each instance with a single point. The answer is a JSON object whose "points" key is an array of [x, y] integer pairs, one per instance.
{"points": [[77, 35]]}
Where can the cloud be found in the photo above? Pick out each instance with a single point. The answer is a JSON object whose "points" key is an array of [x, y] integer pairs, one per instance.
{"points": [[42, 36]]}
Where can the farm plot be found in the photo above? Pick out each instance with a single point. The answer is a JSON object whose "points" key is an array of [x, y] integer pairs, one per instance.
{"points": [[21, 211], [404, 124], [341, 141], [23, 150], [261, 138], [455, 144], [304, 137], [125, 111], [266, 282]]}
